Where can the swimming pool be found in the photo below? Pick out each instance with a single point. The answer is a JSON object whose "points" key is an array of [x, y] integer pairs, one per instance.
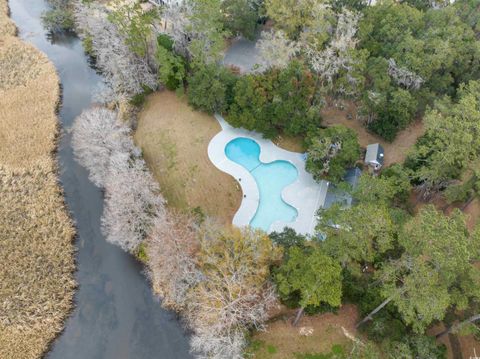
{"points": [[271, 179]]}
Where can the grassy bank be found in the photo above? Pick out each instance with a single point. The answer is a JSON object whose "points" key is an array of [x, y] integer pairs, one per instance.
{"points": [[36, 249]]}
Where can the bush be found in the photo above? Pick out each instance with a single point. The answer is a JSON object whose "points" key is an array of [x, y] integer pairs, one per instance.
{"points": [[58, 20], [140, 98], [87, 43], [458, 193], [171, 70], [165, 41], [59, 17]]}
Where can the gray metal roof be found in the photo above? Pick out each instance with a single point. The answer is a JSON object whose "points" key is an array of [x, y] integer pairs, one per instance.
{"points": [[375, 154], [334, 195]]}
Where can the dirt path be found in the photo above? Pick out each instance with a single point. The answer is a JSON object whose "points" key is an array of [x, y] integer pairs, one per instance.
{"points": [[395, 152]]}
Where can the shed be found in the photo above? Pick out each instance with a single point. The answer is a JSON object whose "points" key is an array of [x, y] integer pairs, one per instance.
{"points": [[375, 156]]}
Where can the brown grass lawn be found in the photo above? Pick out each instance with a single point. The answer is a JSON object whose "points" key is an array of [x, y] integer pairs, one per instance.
{"points": [[282, 341], [395, 152], [36, 249], [174, 140]]}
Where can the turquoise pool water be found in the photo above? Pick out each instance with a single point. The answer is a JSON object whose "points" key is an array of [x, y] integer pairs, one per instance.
{"points": [[271, 178]]}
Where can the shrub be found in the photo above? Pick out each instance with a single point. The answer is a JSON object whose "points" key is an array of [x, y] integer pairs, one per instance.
{"points": [[59, 17], [57, 20], [165, 41], [171, 70]]}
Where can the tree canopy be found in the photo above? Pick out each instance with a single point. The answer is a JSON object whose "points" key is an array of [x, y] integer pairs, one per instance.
{"points": [[331, 151], [312, 275], [452, 142], [438, 256]]}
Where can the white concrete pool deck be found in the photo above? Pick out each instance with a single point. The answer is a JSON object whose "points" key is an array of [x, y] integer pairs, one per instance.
{"points": [[305, 194]]}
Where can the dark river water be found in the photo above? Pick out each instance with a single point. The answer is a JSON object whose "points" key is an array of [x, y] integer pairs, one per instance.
{"points": [[116, 315]]}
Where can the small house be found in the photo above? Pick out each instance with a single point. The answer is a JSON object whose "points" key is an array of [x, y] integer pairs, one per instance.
{"points": [[375, 156]]}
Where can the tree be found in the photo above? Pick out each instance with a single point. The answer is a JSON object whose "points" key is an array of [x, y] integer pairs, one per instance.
{"points": [[132, 202], [241, 16], [176, 17], [205, 29], [171, 250], [96, 137], [276, 50], [403, 76], [338, 62], [208, 344], [171, 70], [124, 71], [357, 235], [331, 151], [393, 183], [293, 16], [277, 100], [316, 277], [438, 256], [407, 40], [211, 88], [135, 24], [236, 293], [288, 238], [395, 114], [451, 143]]}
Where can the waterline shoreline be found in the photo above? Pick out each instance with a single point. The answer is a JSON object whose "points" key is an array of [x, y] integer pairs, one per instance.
{"points": [[116, 313]]}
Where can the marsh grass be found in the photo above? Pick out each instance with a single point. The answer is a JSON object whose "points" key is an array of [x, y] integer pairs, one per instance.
{"points": [[36, 234], [7, 27]]}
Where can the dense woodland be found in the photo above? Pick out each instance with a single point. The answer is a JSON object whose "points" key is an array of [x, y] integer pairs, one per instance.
{"points": [[398, 62]]}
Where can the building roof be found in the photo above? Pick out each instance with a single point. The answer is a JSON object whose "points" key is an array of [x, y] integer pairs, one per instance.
{"points": [[375, 154], [334, 195]]}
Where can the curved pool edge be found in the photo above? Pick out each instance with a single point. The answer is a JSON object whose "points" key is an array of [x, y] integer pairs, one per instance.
{"points": [[304, 194]]}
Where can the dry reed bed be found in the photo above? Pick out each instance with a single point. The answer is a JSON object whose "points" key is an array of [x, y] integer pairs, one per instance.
{"points": [[7, 26], [36, 248]]}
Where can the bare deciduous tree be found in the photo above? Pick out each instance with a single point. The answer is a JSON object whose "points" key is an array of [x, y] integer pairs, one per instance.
{"points": [[132, 201], [208, 344], [124, 71], [176, 19], [236, 294], [96, 136], [171, 250], [276, 50]]}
